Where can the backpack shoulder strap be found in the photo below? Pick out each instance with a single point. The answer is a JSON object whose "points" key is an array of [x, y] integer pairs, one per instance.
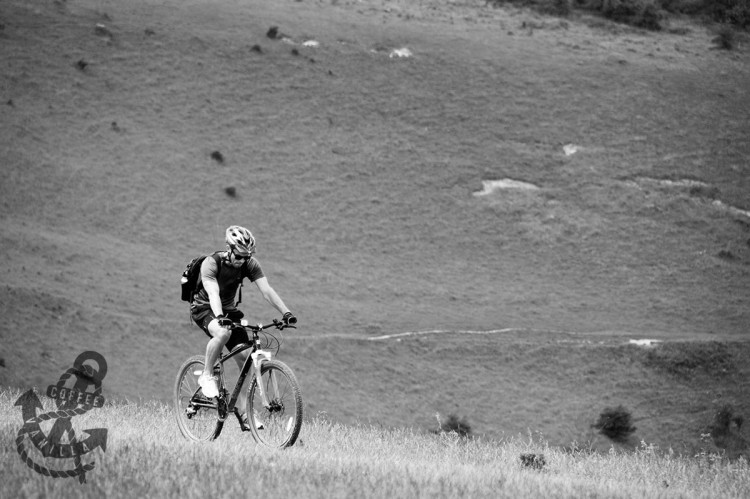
{"points": [[217, 258]]}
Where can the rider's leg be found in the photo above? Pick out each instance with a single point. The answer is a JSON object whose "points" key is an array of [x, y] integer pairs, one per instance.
{"points": [[219, 338]]}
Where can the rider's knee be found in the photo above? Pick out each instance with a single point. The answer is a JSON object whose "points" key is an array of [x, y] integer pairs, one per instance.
{"points": [[219, 332]]}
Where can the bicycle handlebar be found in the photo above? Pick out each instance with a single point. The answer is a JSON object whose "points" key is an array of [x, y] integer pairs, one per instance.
{"points": [[278, 324]]}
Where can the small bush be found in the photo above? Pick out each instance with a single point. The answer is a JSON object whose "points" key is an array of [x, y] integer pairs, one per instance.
{"points": [[726, 38], [688, 359], [453, 423], [217, 156], [555, 7], [671, 5], [650, 18], [615, 423], [705, 191], [736, 12], [725, 430], [561, 8], [621, 10], [640, 13], [648, 14], [535, 461], [723, 419]]}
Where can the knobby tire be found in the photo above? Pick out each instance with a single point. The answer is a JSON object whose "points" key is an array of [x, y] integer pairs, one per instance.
{"points": [[204, 425], [280, 425]]}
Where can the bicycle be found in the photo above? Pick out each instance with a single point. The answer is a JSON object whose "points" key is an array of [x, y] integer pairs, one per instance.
{"points": [[274, 400]]}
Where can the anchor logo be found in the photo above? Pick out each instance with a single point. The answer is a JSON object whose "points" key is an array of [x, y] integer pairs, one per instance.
{"points": [[70, 402]]}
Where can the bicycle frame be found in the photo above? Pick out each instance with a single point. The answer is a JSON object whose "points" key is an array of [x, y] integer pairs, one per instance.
{"points": [[255, 361], [267, 408]]}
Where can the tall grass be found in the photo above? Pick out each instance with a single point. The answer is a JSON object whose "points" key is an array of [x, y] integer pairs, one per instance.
{"points": [[146, 457]]}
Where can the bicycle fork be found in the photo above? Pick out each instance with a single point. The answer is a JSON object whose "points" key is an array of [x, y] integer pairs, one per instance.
{"points": [[260, 356]]}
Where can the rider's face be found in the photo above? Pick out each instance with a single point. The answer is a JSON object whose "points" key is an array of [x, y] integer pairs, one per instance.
{"points": [[237, 260]]}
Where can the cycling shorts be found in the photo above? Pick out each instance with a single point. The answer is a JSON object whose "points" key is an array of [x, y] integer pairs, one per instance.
{"points": [[204, 317]]}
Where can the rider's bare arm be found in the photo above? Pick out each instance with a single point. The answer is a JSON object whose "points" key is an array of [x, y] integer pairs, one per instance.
{"points": [[270, 295], [209, 270]]}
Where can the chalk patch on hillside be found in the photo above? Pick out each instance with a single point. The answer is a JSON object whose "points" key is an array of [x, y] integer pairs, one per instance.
{"points": [[442, 331], [645, 343], [402, 52], [731, 209], [508, 330], [490, 186], [684, 182]]}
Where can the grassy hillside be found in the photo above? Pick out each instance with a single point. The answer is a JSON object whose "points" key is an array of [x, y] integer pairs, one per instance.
{"points": [[510, 383], [358, 173], [145, 457]]}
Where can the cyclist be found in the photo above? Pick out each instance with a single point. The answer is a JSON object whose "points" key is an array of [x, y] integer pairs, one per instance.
{"points": [[214, 309]]}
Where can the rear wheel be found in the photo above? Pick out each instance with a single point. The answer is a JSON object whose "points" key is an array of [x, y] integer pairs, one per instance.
{"points": [[277, 425], [197, 415]]}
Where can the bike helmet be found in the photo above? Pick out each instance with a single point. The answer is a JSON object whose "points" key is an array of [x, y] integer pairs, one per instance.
{"points": [[240, 240]]}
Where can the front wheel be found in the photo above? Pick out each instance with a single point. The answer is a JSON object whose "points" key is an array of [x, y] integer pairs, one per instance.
{"points": [[197, 416], [278, 424]]}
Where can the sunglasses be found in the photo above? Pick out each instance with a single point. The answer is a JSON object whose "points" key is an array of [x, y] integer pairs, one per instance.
{"points": [[243, 258]]}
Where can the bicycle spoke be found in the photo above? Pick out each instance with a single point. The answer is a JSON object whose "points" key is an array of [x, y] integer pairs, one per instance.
{"points": [[197, 415], [278, 424]]}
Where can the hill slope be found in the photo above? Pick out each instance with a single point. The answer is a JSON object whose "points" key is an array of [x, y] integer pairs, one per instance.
{"points": [[147, 457], [358, 173]]}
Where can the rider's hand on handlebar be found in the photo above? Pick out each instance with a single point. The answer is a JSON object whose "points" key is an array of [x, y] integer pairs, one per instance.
{"points": [[289, 318], [224, 321]]}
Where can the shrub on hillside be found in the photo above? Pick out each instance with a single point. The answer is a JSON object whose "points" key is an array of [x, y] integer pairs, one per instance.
{"points": [[648, 14], [454, 424], [651, 18], [558, 7], [640, 13], [725, 430], [615, 423], [534, 461], [555, 7], [736, 12], [217, 156], [689, 358], [670, 5], [725, 38]]}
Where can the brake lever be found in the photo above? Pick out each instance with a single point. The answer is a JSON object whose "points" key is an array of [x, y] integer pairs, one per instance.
{"points": [[280, 325]]}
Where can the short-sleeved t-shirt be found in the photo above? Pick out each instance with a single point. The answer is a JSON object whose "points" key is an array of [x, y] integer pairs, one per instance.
{"points": [[228, 278]]}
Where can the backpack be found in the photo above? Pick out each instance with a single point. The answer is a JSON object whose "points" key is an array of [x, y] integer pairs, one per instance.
{"points": [[191, 275]]}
